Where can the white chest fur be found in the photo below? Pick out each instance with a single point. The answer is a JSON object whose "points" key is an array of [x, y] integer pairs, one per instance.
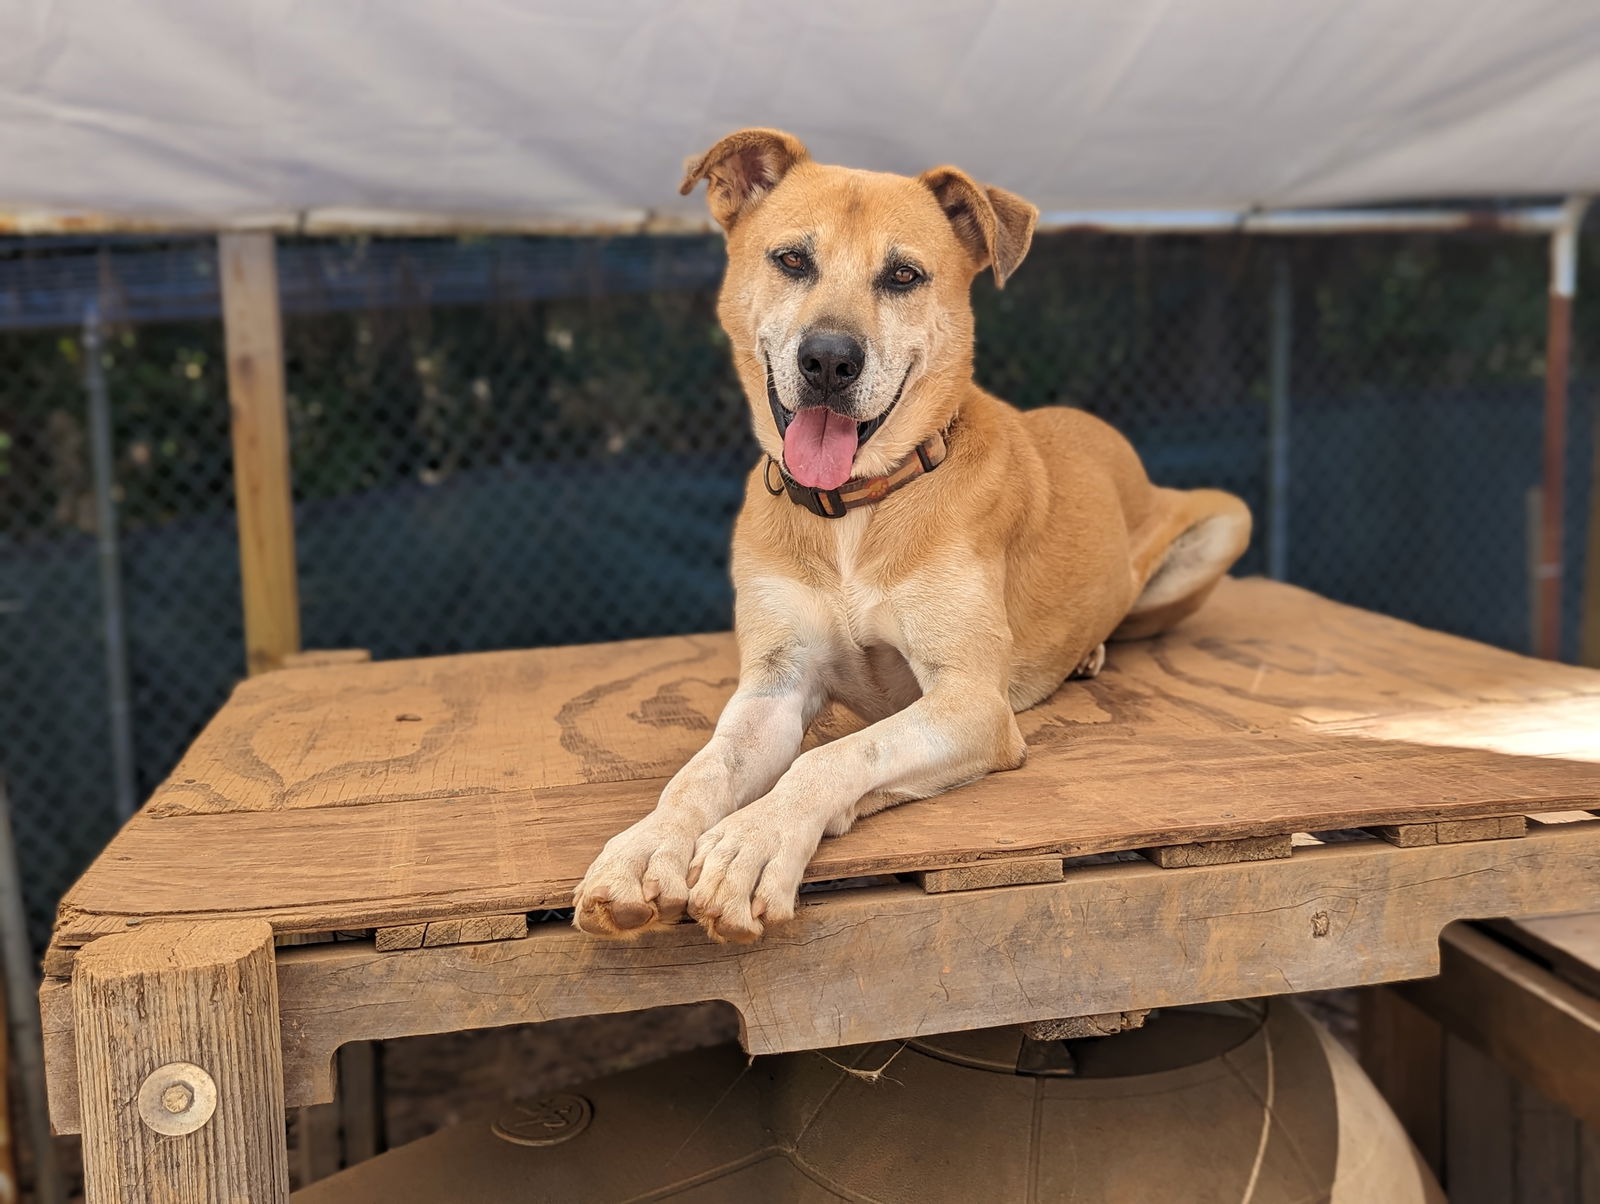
{"points": [[861, 599]]}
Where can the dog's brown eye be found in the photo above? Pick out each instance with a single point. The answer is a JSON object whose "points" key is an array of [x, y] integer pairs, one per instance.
{"points": [[794, 262], [902, 278]]}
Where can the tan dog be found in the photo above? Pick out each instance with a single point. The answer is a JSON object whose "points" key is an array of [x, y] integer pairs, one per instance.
{"points": [[928, 557]]}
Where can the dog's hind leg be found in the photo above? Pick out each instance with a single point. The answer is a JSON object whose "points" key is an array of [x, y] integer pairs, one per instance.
{"points": [[1196, 537]]}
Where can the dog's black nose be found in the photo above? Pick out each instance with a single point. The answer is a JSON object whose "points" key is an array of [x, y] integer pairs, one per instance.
{"points": [[831, 361]]}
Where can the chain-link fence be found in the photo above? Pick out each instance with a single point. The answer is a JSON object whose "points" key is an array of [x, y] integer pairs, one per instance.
{"points": [[515, 441]]}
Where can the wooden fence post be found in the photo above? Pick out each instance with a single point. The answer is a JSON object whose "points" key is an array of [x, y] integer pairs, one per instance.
{"points": [[253, 328]]}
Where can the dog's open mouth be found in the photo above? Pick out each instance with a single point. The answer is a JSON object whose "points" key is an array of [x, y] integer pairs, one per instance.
{"points": [[820, 444]]}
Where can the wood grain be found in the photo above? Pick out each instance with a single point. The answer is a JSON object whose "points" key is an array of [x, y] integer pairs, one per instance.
{"points": [[1221, 852], [1013, 871], [1494, 827], [252, 326], [172, 993], [464, 930], [406, 792]]}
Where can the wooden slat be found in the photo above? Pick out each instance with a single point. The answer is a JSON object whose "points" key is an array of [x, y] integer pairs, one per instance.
{"points": [[1542, 1029], [1221, 852], [253, 329], [984, 874], [1456, 831]]}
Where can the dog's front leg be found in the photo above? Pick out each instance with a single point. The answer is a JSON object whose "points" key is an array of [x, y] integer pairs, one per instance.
{"points": [[640, 877], [746, 871]]}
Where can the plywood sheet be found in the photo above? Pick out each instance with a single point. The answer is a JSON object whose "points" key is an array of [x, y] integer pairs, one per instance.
{"points": [[392, 793]]}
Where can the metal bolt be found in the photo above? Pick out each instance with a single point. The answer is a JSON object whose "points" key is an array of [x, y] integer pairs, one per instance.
{"points": [[177, 1098]]}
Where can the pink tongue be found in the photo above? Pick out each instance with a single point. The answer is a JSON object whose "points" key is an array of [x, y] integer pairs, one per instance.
{"points": [[819, 447]]}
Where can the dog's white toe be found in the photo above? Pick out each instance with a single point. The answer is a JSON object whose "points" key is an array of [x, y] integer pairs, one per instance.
{"points": [[636, 882], [746, 873]]}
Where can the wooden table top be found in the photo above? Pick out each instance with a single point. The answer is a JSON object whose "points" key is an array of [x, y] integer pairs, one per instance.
{"points": [[363, 795]]}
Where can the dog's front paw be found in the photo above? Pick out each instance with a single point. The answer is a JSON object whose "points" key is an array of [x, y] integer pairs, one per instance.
{"points": [[638, 881], [746, 872]]}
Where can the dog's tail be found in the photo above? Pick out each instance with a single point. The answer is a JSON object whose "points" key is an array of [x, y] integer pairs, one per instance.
{"points": [[1193, 541]]}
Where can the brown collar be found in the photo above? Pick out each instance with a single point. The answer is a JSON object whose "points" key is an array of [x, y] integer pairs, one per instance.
{"points": [[862, 491]]}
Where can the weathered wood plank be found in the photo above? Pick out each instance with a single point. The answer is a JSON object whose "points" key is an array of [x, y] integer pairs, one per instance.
{"points": [[1221, 852], [252, 326], [1455, 831], [179, 1065], [983, 874]]}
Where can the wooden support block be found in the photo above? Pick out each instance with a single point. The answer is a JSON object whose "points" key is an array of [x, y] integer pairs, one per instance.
{"points": [[471, 930], [403, 936], [1009, 872], [321, 658], [1077, 1028], [1455, 831], [253, 330], [1221, 852], [468, 930], [180, 1067]]}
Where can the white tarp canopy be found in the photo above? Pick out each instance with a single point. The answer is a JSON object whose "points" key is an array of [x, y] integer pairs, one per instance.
{"points": [[519, 112]]}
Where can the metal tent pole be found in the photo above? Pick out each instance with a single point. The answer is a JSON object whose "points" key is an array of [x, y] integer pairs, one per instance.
{"points": [[1279, 350], [22, 1015], [105, 521], [1558, 354]]}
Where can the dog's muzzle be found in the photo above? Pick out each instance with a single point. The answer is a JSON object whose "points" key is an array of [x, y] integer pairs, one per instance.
{"points": [[782, 417]]}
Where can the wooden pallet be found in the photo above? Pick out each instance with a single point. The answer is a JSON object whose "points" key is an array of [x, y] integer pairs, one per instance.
{"points": [[1282, 795], [388, 795]]}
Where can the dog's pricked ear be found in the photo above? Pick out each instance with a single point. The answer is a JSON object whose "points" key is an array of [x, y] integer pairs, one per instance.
{"points": [[996, 226], [741, 169]]}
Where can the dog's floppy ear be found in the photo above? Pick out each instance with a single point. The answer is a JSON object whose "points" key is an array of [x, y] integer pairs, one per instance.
{"points": [[995, 226], [742, 168]]}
